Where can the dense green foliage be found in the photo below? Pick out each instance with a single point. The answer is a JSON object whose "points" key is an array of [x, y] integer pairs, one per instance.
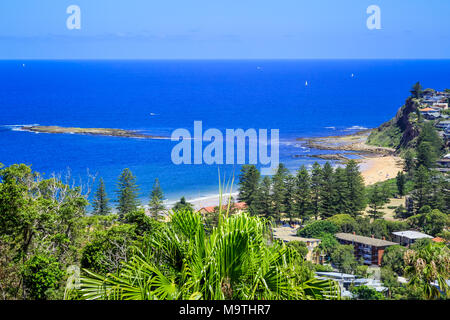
{"points": [[183, 205], [234, 262], [100, 202], [156, 206], [317, 228], [366, 293], [127, 193], [320, 194], [40, 227]]}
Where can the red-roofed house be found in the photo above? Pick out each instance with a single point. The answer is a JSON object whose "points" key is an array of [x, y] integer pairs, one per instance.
{"points": [[439, 239], [238, 207]]}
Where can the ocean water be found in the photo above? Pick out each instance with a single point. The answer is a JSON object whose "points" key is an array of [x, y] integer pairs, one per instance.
{"points": [[157, 97]]}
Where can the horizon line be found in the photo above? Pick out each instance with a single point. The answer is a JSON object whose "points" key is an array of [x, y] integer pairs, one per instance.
{"points": [[216, 59]]}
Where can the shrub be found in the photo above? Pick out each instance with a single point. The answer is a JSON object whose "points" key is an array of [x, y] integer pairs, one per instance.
{"points": [[299, 246], [366, 293], [41, 276], [317, 228]]}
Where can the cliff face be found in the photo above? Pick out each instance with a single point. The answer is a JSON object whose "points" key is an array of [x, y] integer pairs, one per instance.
{"points": [[410, 131], [400, 132]]}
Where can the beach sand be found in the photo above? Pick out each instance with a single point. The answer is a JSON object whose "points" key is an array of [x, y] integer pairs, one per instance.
{"points": [[377, 169], [373, 169], [208, 201]]}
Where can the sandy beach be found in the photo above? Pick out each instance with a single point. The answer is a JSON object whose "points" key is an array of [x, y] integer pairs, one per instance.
{"points": [[377, 169], [207, 201], [376, 163]]}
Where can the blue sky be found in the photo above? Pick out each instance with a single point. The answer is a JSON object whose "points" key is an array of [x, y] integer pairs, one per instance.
{"points": [[219, 29]]}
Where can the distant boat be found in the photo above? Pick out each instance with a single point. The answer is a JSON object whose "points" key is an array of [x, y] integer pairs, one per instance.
{"points": [[353, 75], [153, 114], [23, 65], [306, 83]]}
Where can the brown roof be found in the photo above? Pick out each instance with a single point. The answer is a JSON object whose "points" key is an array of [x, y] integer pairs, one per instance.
{"points": [[364, 240], [427, 109], [238, 206]]}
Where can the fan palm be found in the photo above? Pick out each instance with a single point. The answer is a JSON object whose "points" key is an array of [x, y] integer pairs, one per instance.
{"points": [[426, 266], [235, 261]]}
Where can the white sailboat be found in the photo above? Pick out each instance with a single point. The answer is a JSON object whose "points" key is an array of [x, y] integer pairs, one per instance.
{"points": [[306, 83]]}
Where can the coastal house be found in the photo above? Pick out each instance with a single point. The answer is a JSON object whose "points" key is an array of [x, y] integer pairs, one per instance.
{"points": [[444, 162], [407, 238], [369, 249], [443, 125], [430, 100], [439, 240], [346, 281], [430, 113], [440, 105], [237, 207]]}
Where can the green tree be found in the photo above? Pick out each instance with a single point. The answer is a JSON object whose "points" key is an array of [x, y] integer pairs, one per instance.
{"points": [[345, 222], [263, 201], [100, 202], [316, 184], [289, 205], [127, 193], [279, 192], [343, 257], [429, 146], [426, 155], [401, 181], [38, 217], [417, 91], [109, 248], [409, 162], [376, 202], [386, 192], [341, 192], [393, 259], [434, 222], [156, 205], [316, 229], [42, 275], [366, 293], [248, 184], [327, 194], [300, 247], [421, 193], [183, 205], [427, 265], [356, 189], [302, 196], [234, 262]]}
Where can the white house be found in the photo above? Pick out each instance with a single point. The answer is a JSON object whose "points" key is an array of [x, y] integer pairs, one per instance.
{"points": [[406, 238]]}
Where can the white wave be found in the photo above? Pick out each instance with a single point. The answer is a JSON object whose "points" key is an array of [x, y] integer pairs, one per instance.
{"points": [[17, 127], [334, 128], [356, 128]]}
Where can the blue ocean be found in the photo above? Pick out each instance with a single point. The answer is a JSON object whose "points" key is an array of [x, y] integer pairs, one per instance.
{"points": [[156, 97]]}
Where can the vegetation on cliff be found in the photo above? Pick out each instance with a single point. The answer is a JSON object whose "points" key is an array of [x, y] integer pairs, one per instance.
{"points": [[400, 132]]}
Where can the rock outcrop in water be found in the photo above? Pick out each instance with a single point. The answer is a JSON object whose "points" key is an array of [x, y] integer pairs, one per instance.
{"points": [[90, 131]]}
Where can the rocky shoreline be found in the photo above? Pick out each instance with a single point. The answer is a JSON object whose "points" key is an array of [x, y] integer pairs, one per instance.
{"points": [[353, 144], [90, 131]]}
